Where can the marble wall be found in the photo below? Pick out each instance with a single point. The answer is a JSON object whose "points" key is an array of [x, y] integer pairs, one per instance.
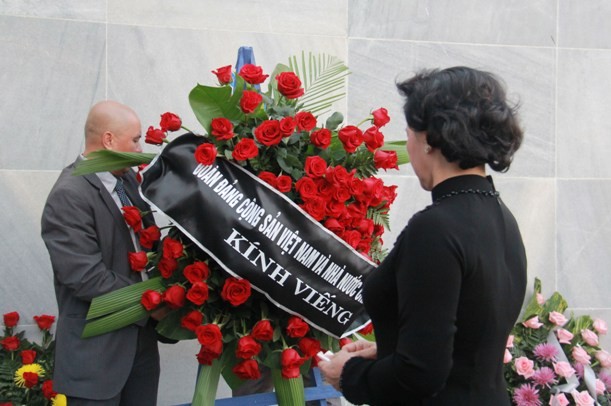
{"points": [[60, 57]]}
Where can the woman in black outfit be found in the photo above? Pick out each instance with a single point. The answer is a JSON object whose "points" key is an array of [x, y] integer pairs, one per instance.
{"points": [[445, 299]]}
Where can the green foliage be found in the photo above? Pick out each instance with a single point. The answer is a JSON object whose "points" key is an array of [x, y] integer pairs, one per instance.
{"points": [[11, 362]]}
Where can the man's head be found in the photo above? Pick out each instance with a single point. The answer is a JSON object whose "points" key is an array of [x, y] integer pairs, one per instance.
{"points": [[112, 126]]}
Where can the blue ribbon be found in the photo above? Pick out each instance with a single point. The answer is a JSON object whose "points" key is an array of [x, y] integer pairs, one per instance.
{"points": [[245, 56]]}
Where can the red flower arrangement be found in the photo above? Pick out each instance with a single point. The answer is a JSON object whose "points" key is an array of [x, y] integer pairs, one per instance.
{"points": [[325, 168], [26, 368]]}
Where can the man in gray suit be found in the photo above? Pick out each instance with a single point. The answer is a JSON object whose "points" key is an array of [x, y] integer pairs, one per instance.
{"points": [[88, 242]]}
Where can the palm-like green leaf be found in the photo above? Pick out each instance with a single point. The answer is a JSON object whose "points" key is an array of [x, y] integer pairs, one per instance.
{"points": [[323, 78], [104, 160]]}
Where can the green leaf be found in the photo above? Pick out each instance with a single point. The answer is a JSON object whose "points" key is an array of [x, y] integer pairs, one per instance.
{"points": [[334, 121], [379, 217], [170, 327], [207, 383], [114, 321], [105, 160], [323, 78], [400, 148], [288, 391], [122, 298], [210, 102]]}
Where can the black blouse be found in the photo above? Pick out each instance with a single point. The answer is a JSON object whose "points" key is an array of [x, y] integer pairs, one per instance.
{"points": [[443, 303]]}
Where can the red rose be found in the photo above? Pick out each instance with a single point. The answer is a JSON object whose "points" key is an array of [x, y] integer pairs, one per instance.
{"points": [[245, 149], [315, 166], [289, 85], [138, 261], [305, 120], [364, 246], [132, 217], [380, 117], [335, 208], [236, 291], [10, 343], [30, 378], [373, 138], [291, 361], [198, 293], [309, 346], [27, 356], [268, 178], [296, 327], [192, 320], [365, 226], [263, 331], [341, 193], [223, 74], [154, 136], [140, 169], [47, 389], [221, 129], [149, 236], [247, 347], [174, 296], [334, 226], [252, 74], [196, 272], [250, 101], [167, 266], [368, 329], [306, 188], [385, 160], [209, 353], [248, 369], [11, 319], [352, 237], [389, 194], [205, 154], [209, 334], [315, 207], [338, 175], [287, 126], [356, 186], [172, 248], [356, 210], [351, 138], [150, 299], [321, 138], [268, 133], [325, 189], [284, 183], [374, 188], [170, 122]]}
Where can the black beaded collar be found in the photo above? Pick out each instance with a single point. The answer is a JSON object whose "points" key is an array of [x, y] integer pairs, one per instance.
{"points": [[487, 193], [461, 185]]}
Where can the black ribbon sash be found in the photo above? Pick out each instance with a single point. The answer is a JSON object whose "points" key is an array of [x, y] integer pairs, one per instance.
{"points": [[255, 232]]}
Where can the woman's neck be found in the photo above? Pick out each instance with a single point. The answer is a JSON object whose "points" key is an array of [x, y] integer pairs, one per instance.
{"points": [[450, 170]]}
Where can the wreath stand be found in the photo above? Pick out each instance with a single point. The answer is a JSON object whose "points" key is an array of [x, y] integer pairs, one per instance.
{"points": [[317, 394]]}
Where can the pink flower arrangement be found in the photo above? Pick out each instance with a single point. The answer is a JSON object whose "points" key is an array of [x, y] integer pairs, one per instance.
{"points": [[552, 359]]}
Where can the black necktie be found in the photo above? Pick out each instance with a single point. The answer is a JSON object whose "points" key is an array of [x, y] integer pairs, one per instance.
{"points": [[120, 189]]}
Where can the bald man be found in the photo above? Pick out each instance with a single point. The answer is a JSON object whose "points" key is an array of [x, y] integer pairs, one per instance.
{"points": [[88, 243]]}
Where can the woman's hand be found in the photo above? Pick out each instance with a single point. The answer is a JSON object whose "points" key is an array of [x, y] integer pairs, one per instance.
{"points": [[332, 370]]}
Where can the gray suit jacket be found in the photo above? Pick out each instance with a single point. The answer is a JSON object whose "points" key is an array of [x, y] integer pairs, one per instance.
{"points": [[88, 243]]}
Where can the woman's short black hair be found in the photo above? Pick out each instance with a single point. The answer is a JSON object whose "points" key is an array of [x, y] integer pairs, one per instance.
{"points": [[465, 114]]}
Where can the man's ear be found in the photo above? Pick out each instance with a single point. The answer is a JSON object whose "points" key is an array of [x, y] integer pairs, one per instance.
{"points": [[107, 140]]}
